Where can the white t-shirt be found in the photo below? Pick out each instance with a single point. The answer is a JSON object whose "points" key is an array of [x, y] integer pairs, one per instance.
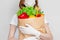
{"points": [[14, 20]]}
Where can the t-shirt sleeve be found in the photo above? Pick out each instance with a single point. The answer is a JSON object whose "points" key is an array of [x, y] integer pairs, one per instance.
{"points": [[14, 20], [45, 20]]}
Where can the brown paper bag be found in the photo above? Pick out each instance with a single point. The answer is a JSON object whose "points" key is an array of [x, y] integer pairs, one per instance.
{"points": [[34, 22]]}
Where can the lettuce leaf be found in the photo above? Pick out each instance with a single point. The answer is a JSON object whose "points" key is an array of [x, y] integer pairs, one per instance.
{"points": [[29, 11]]}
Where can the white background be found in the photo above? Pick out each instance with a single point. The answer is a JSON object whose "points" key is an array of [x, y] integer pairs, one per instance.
{"points": [[9, 7]]}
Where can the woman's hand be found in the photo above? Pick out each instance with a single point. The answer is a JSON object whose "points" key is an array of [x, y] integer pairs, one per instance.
{"points": [[48, 35], [29, 30]]}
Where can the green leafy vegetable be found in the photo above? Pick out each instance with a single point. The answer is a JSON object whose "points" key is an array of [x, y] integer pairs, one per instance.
{"points": [[29, 11]]}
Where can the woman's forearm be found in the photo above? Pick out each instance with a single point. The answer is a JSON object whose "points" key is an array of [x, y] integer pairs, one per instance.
{"points": [[12, 31]]}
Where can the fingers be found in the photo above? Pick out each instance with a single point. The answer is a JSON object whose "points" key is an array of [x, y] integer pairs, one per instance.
{"points": [[41, 37], [47, 29], [22, 27], [28, 25], [45, 37]]}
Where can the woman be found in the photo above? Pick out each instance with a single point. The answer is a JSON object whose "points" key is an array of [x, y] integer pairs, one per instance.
{"points": [[14, 22]]}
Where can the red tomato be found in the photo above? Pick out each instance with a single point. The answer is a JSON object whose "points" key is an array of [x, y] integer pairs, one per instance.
{"points": [[23, 16]]}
